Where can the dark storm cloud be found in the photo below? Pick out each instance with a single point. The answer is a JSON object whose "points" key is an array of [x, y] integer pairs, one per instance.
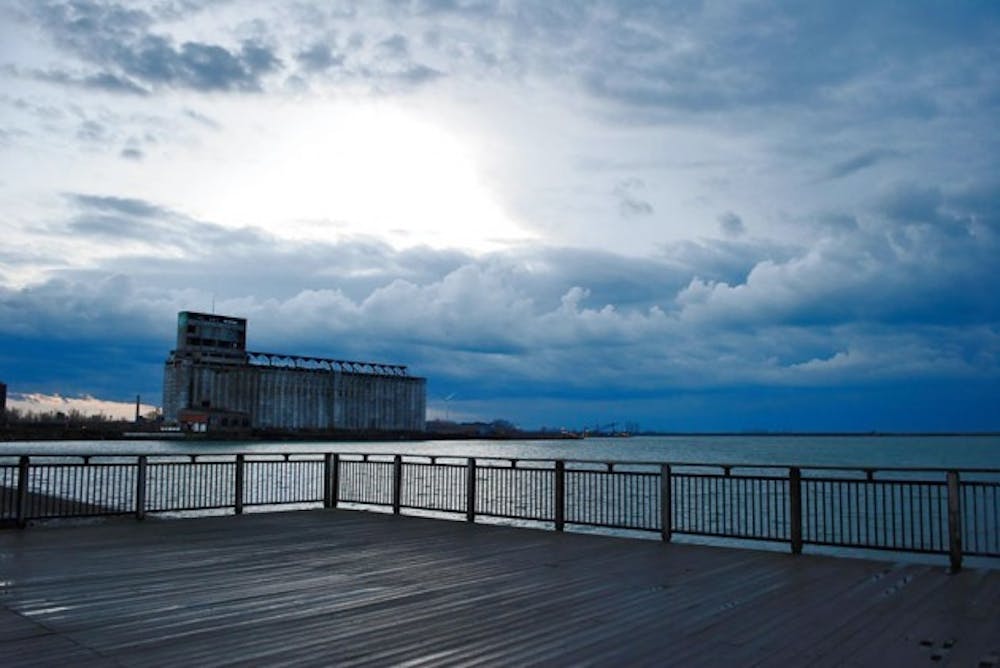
{"points": [[120, 42]]}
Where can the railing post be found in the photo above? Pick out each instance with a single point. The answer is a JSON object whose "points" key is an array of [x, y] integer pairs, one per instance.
{"points": [[666, 505], [560, 495], [335, 481], [238, 491], [397, 483], [954, 522], [23, 465], [140, 489], [470, 490], [795, 509], [328, 480]]}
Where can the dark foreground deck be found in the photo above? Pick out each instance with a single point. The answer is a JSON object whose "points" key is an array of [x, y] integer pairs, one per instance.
{"points": [[351, 588]]}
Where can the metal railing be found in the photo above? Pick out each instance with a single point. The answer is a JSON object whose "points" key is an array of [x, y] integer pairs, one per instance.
{"points": [[903, 510]]}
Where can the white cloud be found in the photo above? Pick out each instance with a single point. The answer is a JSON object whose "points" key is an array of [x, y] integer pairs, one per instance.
{"points": [[87, 406]]}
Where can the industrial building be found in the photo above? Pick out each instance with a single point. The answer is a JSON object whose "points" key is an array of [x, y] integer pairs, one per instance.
{"points": [[212, 383]]}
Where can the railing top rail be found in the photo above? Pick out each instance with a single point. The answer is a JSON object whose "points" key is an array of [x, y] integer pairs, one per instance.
{"points": [[285, 456]]}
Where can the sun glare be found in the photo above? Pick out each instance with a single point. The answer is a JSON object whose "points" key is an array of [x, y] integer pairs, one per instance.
{"points": [[371, 171]]}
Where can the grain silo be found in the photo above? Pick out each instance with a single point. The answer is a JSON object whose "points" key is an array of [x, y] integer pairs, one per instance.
{"points": [[213, 383]]}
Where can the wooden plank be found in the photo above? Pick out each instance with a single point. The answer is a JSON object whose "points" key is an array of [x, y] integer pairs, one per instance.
{"points": [[350, 588]]}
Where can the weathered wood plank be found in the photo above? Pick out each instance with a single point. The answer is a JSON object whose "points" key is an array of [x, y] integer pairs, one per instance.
{"points": [[353, 588]]}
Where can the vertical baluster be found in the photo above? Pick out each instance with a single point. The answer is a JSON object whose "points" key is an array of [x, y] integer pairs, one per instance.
{"points": [[756, 501], [140, 488], [328, 490], [602, 483], [970, 520], [882, 515], [23, 468], [666, 501], [795, 509], [996, 518], [954, 522], [742, 495], [238, 485], [397, 483], [910, 513], [335, 481], [925, 515], [560, 495], [470, 489]]}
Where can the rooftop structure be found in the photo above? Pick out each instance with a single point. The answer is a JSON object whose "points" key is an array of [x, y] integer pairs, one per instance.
{"points": [[207, 335]]}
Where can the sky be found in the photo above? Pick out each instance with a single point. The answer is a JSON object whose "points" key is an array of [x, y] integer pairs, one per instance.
{"points": [[691, 215]]}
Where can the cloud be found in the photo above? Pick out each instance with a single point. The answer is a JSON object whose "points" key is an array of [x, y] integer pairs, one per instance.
{"points": [[731, 225], [860, 162], [104, 218], [88, 406], [121, 205], [693, 57], [200, 66], [131, 58], [92, 131], [856, 307], [319, 57], [395, 46], [629, 203], [102, 81]]}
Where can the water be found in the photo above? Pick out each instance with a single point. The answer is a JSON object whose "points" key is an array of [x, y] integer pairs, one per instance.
{"points": [[937, 452]]}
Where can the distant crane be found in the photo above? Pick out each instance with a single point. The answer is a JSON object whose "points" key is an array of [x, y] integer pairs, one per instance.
{"points": [[447, 407]]}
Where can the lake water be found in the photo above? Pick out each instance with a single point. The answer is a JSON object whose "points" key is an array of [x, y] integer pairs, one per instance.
{"points": [[938, 452]]}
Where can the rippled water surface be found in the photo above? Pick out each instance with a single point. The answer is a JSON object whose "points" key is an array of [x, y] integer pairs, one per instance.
{"points": [[963, 452]]}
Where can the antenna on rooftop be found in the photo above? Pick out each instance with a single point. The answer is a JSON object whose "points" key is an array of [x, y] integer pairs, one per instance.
{"points": [[213, 303]]}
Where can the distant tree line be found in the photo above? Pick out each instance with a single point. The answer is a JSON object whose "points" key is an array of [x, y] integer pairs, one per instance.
{"points": [[71, 417]]}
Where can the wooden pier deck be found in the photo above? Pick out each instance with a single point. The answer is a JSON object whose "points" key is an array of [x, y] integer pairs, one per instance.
{"points": [[354, 588]]}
